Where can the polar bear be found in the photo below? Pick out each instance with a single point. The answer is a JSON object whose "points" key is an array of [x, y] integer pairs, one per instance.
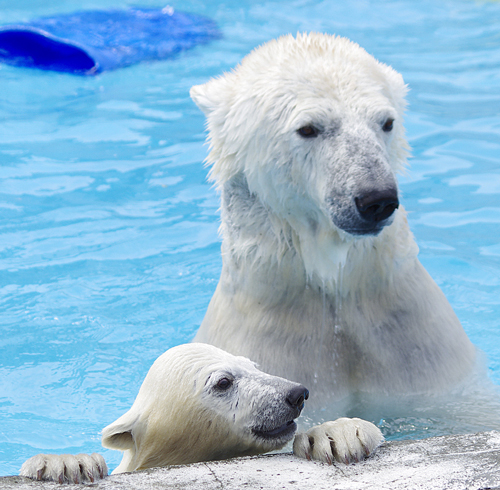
{"points": [[320, 277], [199, 403]]}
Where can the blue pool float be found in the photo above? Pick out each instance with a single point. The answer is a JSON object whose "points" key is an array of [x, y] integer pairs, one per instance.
{"points": [[90, 42]]}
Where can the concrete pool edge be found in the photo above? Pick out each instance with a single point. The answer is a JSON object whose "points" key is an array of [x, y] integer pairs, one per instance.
{"points": [[469, 461]]}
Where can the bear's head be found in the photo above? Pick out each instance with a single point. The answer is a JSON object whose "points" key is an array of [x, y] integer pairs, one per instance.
{"points": [[200, 403], [313, 126]]}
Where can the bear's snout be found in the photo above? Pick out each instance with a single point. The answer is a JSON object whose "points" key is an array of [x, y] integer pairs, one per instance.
{"points": [[377, 205], [297, 396]]}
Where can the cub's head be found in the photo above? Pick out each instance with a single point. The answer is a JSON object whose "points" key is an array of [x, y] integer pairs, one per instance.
{"points": [[199, 403], [314, 125], [259, 409]]}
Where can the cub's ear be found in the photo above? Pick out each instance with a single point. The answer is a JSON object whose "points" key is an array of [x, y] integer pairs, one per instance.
{"points": [[211, 95], [119, 434]]}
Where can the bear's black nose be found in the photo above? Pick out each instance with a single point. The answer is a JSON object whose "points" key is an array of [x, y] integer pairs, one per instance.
{"points": [[377, 205], [296, 397]]}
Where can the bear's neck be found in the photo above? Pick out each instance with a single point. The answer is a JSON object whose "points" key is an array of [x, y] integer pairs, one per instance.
{"points": [[263, 252]]}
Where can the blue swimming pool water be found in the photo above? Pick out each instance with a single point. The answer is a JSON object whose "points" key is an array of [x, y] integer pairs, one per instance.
{"points": [[109, 249]]}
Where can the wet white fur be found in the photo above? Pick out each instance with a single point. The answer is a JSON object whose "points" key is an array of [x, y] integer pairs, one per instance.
{"points": [[297, 294]]}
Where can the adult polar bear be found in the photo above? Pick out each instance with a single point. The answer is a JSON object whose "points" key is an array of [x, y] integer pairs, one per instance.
{"points": [[320, 279]]}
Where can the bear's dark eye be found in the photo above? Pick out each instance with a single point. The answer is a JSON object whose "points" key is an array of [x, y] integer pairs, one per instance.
{"points": [[387, 127], [308, 131], [224, 384]]}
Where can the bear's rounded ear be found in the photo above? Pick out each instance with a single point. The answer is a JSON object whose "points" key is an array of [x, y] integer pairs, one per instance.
{"points": [[118, 435], [118, 440], [211, 95]]}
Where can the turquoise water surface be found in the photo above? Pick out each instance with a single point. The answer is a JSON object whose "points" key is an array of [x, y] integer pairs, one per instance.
{"points": [[109, 248]]}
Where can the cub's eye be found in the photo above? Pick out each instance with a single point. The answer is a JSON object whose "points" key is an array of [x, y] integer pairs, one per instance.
{"points": [[224, 384], [308, 131], [388, 125]]}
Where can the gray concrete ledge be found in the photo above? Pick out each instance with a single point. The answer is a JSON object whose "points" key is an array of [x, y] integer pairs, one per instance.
{"points": [[469, 462]]}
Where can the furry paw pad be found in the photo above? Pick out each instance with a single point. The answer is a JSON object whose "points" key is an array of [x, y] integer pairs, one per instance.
{"points": [[343, 440], [65, 468]]}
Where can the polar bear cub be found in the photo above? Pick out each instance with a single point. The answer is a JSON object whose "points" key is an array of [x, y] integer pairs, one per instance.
{"points": [[200, 403]]}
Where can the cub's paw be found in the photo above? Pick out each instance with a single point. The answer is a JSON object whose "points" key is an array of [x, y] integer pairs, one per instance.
{"points": [[65, 468], [344, 440]]}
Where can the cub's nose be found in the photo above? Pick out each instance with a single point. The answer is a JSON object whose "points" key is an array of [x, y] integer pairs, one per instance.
{"points": [[377, 206], [296, 397]]}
